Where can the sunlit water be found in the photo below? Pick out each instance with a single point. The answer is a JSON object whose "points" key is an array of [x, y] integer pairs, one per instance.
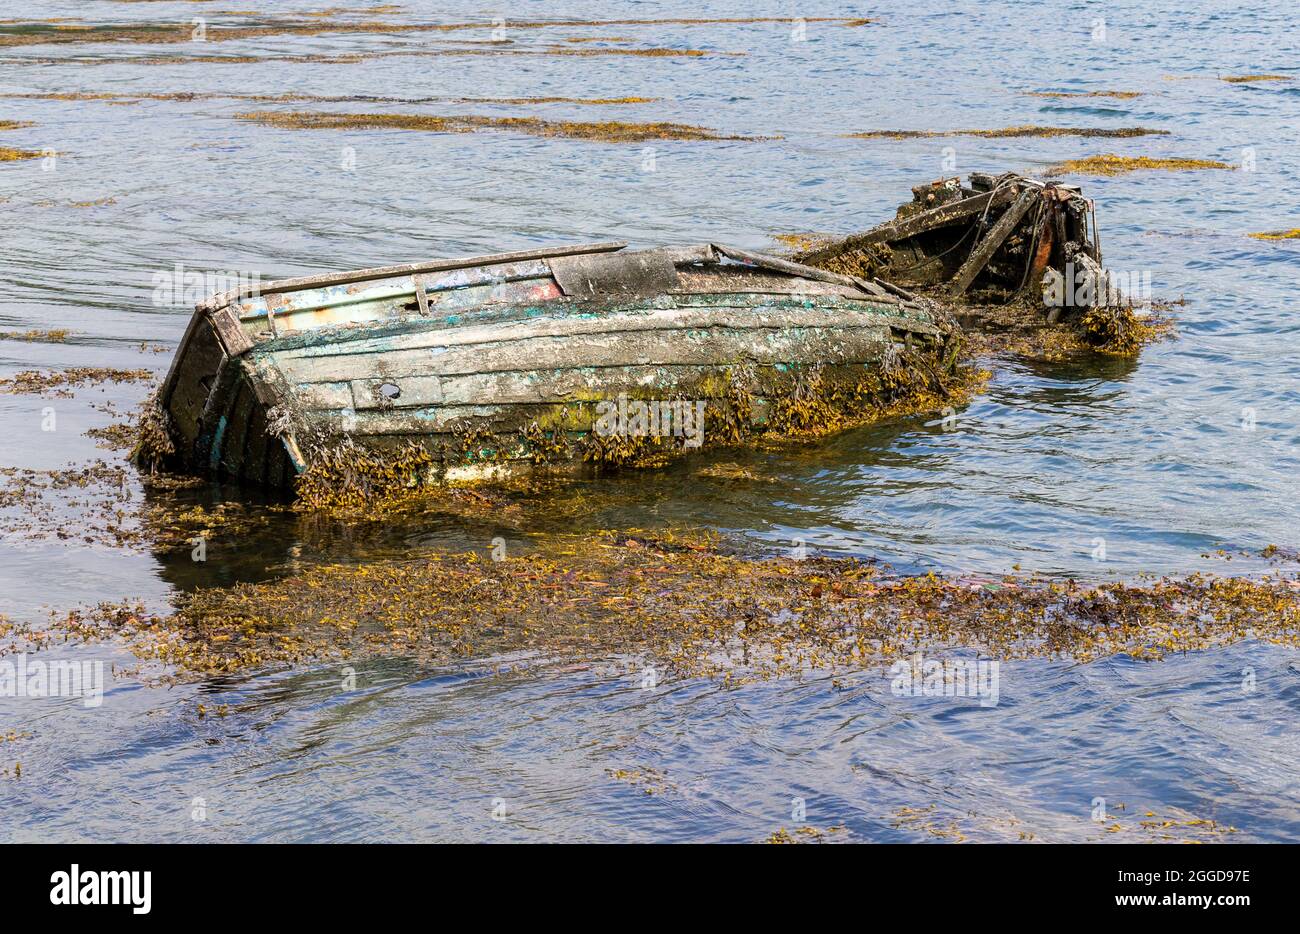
{"points": [[1151, 457]]}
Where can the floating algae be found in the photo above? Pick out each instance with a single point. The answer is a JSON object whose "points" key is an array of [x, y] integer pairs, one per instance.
{"points": [[1012, 132], [642, 599], [605, 131], [185, 96], [59, 382], [1248, 79], [1292, 234], [54, 336], [808, 834], [354, 58], [731, 473], [13, 155], [1118, 95], [174, 33], [15, 124], [1111, 164]]}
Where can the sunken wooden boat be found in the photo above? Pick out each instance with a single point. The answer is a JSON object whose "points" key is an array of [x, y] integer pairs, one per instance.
{"points": [[591, 354]]}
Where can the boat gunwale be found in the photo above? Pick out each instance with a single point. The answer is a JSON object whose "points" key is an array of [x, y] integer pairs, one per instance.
{"points": [[300, 283]]}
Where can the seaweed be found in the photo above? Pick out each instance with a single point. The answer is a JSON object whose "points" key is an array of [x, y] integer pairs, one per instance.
{"points": [[1013, 132], [1111, 164], [8, 154], [647, 599], [1292, 234], [59, 382], [1118, 95], [607, 131]]}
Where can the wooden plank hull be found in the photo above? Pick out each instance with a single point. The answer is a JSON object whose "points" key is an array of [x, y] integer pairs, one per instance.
{"points": [[496, 361]]}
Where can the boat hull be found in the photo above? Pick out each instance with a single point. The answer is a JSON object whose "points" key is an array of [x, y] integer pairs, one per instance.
{"points": [[527, 361]]}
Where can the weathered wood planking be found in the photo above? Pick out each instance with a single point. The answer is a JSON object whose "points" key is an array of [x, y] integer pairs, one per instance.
{"points": [[679, 313], [404, 353], [710, 344]]}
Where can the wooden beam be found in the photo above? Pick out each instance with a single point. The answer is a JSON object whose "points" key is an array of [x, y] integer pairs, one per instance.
{"points": [[984, 250], [902, 228]]}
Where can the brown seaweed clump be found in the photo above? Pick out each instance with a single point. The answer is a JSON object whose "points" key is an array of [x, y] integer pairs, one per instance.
{"points": [[1248, 79], [176, 33], [8, 154], [1111, 164], [153, 437], [605, 131], [1292, 234], [1118, 330], [60, 382], [15, 124], [1014, 132], [629, 600], [348, 478], [52, 336]]}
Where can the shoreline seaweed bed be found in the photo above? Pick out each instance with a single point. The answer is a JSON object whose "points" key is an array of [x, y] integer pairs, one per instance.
{"points": [[354, 58], [605, 131], [632, 598], [82, 33]]}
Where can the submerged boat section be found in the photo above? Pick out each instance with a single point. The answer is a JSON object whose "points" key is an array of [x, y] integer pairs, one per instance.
{"points": [[590, 354]]}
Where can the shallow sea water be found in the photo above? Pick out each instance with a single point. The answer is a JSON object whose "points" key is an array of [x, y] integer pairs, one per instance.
{"points": [[1149, 455]]}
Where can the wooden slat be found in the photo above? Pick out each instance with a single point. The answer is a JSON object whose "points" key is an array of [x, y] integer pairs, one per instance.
{"points": [[421, 296], [985, 249], [230, 333], [231, 452], [776, 264], [715, 345], [506, 418], [253, 469], [536, 388], [682, 314], [943, 216], [196, 366]]}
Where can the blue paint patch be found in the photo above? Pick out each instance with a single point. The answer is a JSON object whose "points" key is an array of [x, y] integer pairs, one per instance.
{"points": [[214, 455]]}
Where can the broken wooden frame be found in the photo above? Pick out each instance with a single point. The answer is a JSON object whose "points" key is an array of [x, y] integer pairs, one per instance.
{"points": [[997, 236]]}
